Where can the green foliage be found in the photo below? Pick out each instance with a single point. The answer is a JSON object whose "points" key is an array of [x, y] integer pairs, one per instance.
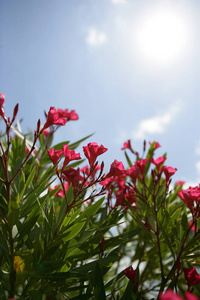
{"points": [[76, 241]]}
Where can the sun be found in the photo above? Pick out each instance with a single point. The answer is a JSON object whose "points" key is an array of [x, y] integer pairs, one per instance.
{"points": [[162, 36]]}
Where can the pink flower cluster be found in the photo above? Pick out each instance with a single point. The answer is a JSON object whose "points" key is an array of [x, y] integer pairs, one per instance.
{"points": [[59, 117], [71, 175], [191, 277], [191, 197], [170, 295]]}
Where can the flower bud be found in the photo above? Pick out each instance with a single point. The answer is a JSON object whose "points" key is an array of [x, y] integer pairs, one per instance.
{"points": [[15, 111]]}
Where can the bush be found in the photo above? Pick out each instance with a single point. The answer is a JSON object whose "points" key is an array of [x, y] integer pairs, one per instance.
{"points": [[71, 233]]}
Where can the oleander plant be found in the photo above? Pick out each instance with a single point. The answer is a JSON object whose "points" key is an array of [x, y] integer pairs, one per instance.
{"points": [[71, 230]]}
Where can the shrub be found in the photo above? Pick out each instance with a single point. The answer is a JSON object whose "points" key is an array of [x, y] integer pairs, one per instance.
{"points": [[77, 233]]}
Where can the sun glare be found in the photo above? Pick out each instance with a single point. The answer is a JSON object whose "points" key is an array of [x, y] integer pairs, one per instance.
{"points": [[162, 36]]}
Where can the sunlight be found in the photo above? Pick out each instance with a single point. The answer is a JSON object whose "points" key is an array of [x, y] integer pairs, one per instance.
{"points": [[162, 36]]}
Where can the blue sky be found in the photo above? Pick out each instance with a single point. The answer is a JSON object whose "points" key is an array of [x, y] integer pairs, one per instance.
{"points": [[87, 55]]}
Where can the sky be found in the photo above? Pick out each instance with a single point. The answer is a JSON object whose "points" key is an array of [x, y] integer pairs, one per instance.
{"points": [[129, 68]]}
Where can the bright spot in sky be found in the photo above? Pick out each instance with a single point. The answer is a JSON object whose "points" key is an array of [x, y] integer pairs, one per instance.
{"points": [[162, 36], [95, 38]]}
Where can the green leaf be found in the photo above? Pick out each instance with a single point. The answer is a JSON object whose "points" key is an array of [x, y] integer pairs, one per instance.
{"points": [[27, 182], [192, 245], [73, 231], [35, 295], [128, 159], [184, 225], [13, 212], [82, 297], [91, 210], [4, 248], [99, 290], [128, 294], [167, 240]]}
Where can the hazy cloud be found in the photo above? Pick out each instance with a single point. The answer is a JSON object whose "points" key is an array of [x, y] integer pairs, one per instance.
{"points": [[157, 124], [95, 38]]}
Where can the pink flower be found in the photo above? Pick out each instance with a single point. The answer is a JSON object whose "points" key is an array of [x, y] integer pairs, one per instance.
{"points": [[123, 196], [158, 162], [133, 172], [106, 182], [54, 155], [2, 99], [68, 115], [46, 132], [69, 155], [92, 150], [131, 274], [179, 183], [193, 226], [170, 295], [72, 115], [116, 169], [127, 145], [191, 276], [157, 145], [86, 170], [189, 296], [60, 192], [141, 164], [72, 175], [189, 196], [53, 118], [169, 171]]}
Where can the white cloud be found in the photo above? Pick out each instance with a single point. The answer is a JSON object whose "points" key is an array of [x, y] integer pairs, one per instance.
{"points": [[156, 124], [118, 1], [95, 38]]}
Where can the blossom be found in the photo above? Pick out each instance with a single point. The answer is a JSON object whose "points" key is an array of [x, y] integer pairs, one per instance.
{"points": [[191, 276], [127, 145], [156, 145], [92, 150], [72, 175], [189, 296], [179, 183], [141, 164], [189, 196], [69, 155], [2, 99], [170, 295], [60, 192], [116, 169], [125, 197], [54, 155], [68, 115], [46, 132], [193, 226], [72, 115], [53, 118], [106, 182], [169, 171], [86, 170], [133, 172], [131, 274], [158, 162]]}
